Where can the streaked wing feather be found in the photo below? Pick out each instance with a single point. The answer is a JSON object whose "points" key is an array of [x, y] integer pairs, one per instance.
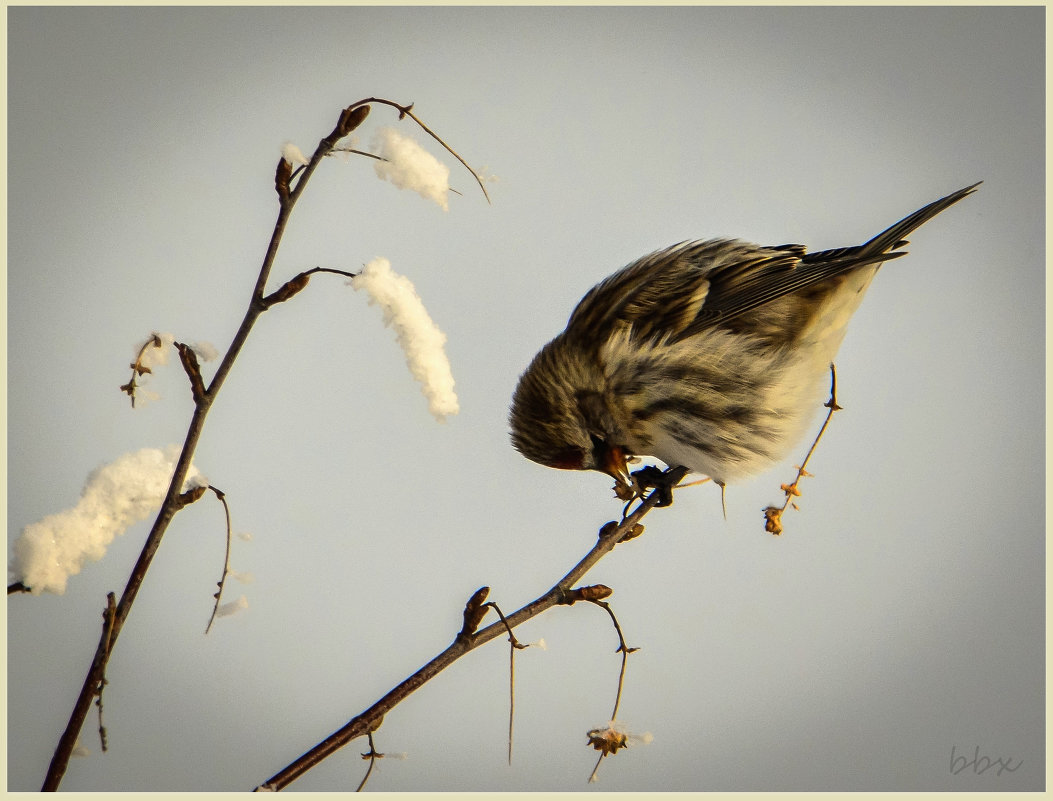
{"points": [[683, 290], [753, 288], [653, 295]]}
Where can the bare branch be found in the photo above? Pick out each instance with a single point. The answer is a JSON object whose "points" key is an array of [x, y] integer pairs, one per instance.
{"points": [[773, 514], [107, 634], [407, 111], [226, 559], [193, 371], [291, 287], [350, 118], [139, 368], [610, 535], [372, 756]]}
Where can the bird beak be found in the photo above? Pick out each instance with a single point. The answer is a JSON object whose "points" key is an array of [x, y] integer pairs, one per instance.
{"points": [[615, 464]]}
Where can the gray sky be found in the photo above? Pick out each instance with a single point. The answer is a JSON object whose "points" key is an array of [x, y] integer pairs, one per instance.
{"points": [[901, 614]]}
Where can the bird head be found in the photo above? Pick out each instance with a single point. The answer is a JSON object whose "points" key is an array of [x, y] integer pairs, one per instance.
{"points": [[561, 418]]}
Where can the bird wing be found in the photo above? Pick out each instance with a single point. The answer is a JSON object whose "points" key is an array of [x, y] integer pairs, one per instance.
{"points": [[685, 289], [740, 285], [682, 290], [662, 291]]}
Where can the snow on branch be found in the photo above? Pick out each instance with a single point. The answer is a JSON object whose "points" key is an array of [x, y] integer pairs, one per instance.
{"points": [[418, 336], [115, 497], [409, 166]]}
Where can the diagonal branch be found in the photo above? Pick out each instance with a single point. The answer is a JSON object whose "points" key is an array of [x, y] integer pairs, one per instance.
{"points": [[610, 535]]}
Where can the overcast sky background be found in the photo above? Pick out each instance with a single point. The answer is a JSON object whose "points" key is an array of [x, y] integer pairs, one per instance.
{"points": [[899, 616]]}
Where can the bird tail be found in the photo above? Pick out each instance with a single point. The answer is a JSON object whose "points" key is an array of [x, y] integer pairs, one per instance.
{"points": [[893, 237]]}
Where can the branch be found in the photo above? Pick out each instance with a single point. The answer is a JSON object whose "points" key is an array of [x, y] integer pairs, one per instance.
{"points": [[773, 514], [407, 111], [139, 367], [226, 560], [203, 399], [610, 535]]}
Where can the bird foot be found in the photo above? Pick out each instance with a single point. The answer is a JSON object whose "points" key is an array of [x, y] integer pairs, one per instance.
{"points": [[651, 477]]}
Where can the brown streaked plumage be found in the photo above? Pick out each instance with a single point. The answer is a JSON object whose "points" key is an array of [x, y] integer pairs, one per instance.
{"points": [[708, 354]]}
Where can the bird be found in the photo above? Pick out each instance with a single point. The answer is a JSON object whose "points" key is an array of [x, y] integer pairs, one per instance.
{"points": [[711, 355]]}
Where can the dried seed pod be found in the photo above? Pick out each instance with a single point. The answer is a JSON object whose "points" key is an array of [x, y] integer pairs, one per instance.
{"points": [[608, 741], [772, 520]]}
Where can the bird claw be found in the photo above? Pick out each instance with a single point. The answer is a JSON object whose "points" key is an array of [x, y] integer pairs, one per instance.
{"points": [[647, 477]]}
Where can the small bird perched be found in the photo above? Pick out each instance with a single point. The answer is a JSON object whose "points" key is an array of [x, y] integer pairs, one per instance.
{"points": [[711, 355]]}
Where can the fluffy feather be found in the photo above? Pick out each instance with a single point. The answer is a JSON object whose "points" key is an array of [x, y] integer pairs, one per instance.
{"points": [[708, 354]]}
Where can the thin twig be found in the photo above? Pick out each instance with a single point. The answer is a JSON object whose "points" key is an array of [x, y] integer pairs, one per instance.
{"points": [[609, 537], [511, 693], [381, 158], [513, 645], [773, 514], [138, 368], [359, 153], [344, 273], [226, 559], [406, 111], [625, 650], [107, 628], [596, 767], [372, 757]]}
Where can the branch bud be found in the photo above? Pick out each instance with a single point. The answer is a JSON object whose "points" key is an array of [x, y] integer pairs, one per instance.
{"points": [[474, 611], [193, 371], [191, 495], [282, 175], [594, 592], [635, 530], [287, 290], [350, 118]]}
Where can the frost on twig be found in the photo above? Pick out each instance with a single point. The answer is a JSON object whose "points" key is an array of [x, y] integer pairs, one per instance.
{"points": [[292, 154], [115, 497], [151, 353], [418, 336], [154, 353], [232, 608]]}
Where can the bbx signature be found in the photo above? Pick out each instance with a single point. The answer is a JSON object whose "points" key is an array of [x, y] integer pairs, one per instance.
{"points": [[981, 763]]}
